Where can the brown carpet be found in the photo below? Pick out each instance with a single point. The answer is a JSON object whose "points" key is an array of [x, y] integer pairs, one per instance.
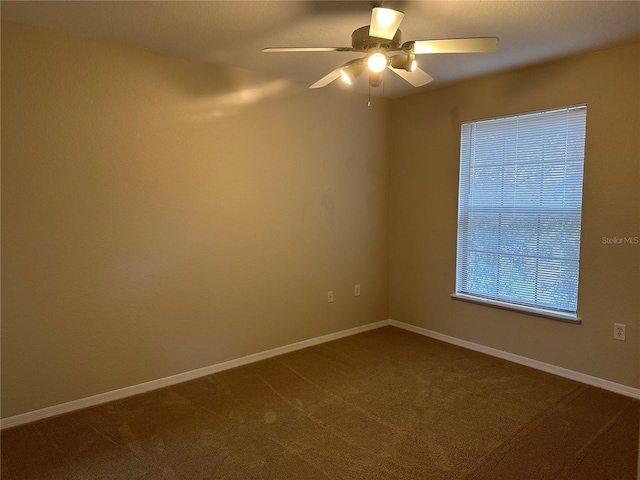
{"points": [[385, 404]]}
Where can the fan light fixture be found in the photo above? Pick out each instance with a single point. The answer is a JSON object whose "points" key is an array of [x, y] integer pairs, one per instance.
{"points": [[351, 71], [377, 62], [385, 22], [404, 62], [375, 78], [346, 76]]}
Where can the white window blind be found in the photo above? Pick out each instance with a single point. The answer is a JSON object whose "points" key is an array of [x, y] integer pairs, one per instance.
{"points": [[519, 210]]}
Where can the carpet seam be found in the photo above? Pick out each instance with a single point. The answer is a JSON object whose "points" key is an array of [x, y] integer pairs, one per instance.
{"points": [[583, 451], [317, 421], [491, 459]]}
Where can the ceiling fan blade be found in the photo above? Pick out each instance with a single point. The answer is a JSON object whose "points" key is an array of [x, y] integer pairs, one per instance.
{"points": [[334, 75], [453, 45], [385, 22], [417, 77], [306, 49]]}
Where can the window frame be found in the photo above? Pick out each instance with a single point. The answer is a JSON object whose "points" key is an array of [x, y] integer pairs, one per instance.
{"points": [[512, 303]]}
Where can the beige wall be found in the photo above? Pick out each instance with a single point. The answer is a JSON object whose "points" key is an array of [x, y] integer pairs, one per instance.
{"points": [[161, 215], [424, 176]]}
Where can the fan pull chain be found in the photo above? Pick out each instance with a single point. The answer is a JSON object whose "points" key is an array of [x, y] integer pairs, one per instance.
{"points": [[369, 102]]}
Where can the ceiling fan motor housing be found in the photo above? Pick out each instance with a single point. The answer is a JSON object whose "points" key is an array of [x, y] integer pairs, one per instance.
{"points": [[361, 41]]}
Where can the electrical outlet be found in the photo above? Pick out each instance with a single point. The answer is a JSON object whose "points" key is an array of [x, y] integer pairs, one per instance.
{"points": [[330, 296], [356, 290], [619, 331]]}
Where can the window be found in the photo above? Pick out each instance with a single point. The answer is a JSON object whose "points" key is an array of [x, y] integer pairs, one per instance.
{"points": [[519, 211]]}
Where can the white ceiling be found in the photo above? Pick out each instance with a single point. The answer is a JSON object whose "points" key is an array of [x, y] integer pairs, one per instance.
{"points": [[234, 32]]}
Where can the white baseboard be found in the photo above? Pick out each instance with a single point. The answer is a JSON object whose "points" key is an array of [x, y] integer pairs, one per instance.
{"points": [[94, 400], [545, 367]]}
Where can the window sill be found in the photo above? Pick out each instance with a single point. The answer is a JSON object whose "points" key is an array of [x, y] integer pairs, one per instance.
{"points": [[561, 317]]}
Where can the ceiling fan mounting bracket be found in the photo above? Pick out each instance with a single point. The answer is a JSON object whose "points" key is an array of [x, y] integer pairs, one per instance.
{"points": [[361, 41]]}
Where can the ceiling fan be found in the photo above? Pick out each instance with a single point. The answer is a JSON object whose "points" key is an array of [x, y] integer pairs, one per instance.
{"points": [[380, 40]]}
